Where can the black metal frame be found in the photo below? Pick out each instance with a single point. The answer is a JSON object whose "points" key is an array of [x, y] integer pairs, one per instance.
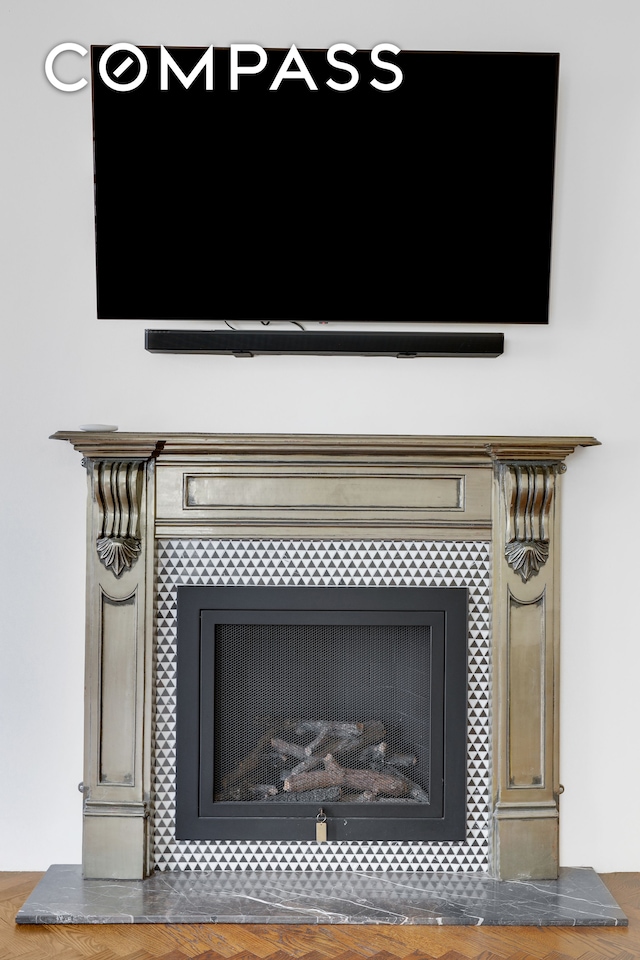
{"points": [[200, 608]]}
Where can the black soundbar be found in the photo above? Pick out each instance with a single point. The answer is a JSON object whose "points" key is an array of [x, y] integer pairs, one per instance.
{"points": [[251, 343]]}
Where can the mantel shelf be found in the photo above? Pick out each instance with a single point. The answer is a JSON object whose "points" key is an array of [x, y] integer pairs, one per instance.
{"points": [[477, 448]]}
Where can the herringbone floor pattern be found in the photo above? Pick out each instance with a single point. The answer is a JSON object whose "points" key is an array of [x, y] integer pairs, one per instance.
{"points": [[252, 942]]}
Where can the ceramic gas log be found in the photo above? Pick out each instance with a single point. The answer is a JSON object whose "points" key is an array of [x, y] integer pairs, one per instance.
{"points": [[367, 771]]}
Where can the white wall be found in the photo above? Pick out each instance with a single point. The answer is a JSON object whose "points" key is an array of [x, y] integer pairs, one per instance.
{"points": [[61, 367]]}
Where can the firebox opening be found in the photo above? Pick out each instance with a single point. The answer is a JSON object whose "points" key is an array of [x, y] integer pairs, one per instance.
{"points": [[292, 699]]}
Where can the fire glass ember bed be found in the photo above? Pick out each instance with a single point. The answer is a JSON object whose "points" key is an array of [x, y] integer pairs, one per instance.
{"points": [[306, 705]]}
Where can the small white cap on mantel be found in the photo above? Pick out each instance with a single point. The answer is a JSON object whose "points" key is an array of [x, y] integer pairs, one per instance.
{"points": [[99, 427]]}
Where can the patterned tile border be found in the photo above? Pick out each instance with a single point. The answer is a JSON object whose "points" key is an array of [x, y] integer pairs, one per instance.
{"points": [[324, 563]]}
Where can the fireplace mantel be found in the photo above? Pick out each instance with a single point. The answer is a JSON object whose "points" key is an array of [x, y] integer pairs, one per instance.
{"points": [[476, 448], [144, 486]]}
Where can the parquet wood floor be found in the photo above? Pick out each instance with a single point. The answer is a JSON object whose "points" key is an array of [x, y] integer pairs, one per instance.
{"points": [[273, 942]]}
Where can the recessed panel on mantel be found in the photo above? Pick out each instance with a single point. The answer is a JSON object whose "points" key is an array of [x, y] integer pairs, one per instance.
{"points": [[323, 495], [340, 493]]}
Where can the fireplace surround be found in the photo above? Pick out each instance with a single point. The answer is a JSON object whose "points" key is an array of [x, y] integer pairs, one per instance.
{"points": [[230, 493], [330, 564]]}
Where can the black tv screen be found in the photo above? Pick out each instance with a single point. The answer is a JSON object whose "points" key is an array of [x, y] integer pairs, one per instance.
{"points": [[428, 199]]}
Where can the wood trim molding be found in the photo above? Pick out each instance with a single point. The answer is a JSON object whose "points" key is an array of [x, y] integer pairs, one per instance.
{"points": [[147, 445]]}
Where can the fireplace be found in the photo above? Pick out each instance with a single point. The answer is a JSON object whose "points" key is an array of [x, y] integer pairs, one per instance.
{"points": [[177, 511], [338, 713]]}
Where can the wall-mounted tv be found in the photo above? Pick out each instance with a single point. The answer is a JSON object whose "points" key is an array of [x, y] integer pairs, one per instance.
{"points": [[428, 199]]}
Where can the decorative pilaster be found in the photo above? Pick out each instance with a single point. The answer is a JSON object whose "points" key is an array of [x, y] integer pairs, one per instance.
{"points": [[118, 488], [118, 668], [526, 656], [528, 492]]}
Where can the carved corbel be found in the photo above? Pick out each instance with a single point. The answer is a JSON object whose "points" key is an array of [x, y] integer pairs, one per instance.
{"points": [[528, 493], [118, 490]]}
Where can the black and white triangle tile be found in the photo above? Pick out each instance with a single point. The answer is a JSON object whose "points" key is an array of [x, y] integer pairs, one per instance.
{"points": [[324, 563]]}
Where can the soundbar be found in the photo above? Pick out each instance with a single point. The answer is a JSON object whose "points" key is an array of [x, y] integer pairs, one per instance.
{"points": [[252, 343]]}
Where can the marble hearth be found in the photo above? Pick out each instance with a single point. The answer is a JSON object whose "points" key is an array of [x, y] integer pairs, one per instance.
{"points": [[170, 509]]}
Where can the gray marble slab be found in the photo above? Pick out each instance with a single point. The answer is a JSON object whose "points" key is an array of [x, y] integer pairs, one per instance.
{"points": [[577, 898]]}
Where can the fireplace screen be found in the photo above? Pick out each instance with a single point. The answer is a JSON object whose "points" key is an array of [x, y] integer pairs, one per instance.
{"points": [[300, 704], [317, 713]]}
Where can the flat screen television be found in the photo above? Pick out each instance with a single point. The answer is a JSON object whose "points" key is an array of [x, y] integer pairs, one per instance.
{"points": [[428, 199]]}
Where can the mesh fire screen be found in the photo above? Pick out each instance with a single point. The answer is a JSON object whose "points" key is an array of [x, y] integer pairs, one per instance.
{"points": [[296, 698], [317, 713]]}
